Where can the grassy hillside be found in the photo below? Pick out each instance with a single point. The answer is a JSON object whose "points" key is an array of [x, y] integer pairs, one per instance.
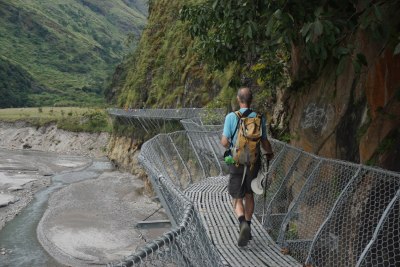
{"points": [[167, 69], [70, 47], [68, 118], [15, 85]]}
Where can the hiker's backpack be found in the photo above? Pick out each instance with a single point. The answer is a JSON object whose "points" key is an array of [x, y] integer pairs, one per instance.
{"points": [[247, 149]]}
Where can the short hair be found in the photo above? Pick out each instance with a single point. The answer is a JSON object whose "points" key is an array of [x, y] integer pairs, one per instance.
{"points": [[245, 95]]}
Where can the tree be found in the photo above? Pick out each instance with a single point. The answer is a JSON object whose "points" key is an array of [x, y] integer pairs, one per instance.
{"points": [[262, 35]]}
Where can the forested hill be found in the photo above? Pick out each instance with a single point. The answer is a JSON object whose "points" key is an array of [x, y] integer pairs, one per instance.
{"points": [[326, 72], [68, 48], [15, 85]]}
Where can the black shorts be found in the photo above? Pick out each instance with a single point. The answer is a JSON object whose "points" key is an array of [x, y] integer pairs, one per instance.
{"points": [[235, 187]]}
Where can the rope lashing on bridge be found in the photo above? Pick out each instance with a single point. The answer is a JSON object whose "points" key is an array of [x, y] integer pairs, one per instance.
{"points": [[323, 212]]}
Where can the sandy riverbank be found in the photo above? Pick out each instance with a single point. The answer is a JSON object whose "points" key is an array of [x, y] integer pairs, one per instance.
{"points": [[86, 222], [20, 135], [92, 222], [23, 173]]}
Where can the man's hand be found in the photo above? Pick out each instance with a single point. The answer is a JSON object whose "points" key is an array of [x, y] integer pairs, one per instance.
{"points": [[266, 145]]}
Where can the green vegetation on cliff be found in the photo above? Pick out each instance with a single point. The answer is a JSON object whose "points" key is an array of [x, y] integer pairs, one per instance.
{"points": [[190, 50], [68, 47], [327, 71], [261, 35], [165, 70]]}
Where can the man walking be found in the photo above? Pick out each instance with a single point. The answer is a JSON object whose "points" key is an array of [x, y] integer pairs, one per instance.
{"points": [[241, 175]]}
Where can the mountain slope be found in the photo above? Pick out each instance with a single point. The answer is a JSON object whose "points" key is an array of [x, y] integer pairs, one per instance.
{"points": [[68, 45], [165, 70], [15, 88]]}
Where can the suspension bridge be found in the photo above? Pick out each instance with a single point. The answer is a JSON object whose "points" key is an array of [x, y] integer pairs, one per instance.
{"points": [[318, 212]]}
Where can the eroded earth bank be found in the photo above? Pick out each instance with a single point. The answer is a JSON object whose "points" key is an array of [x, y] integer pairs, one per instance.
{"points": [[59, 191]]}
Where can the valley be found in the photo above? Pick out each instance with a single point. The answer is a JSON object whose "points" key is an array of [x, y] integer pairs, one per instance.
{"points": [[67, 49]]}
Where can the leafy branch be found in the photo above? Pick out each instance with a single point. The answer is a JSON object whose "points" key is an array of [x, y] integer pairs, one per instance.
{"points": [[255, 34]]}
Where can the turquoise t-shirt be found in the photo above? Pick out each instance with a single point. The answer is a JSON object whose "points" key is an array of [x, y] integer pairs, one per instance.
{"points": [[231, 121]]}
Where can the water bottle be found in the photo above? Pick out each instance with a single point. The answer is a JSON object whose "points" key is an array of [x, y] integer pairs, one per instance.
{"points": [[229, 160]]}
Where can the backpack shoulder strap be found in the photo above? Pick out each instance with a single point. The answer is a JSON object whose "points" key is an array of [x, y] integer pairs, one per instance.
{"points": [[244, 115], [240, 115], [247, 112]]}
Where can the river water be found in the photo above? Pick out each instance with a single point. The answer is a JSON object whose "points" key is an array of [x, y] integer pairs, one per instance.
{"points": [[18, 237]]}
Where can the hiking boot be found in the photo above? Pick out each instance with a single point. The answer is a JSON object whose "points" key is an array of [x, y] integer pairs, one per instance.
{"points": [[250, 236], [244, 234]]}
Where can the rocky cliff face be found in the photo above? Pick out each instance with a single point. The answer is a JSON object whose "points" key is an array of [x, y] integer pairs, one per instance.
{"points": [[123, 151], [381, 141], [354, 117]]}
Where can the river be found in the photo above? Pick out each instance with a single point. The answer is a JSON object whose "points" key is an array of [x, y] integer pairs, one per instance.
{"points": [[31, 171]]}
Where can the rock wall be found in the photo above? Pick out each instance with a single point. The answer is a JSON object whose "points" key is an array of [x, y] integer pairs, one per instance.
{"points": [[123, 151], [354, 116]]}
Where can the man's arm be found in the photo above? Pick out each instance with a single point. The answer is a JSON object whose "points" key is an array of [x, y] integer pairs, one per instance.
{"points": [[227, 131], [224, 141]]}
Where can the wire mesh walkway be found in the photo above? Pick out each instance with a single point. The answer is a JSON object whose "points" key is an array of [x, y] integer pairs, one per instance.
{"points": [[323, 212], [212, 202]]}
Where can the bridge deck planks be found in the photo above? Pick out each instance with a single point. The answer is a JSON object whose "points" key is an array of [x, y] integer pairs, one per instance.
{"points": [[213, 203]]}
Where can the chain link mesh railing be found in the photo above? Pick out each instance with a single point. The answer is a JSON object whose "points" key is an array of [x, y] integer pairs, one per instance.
{"points": [[323, 212], [172, 164], [384, 247], [354, 218], [153, 121], [167, 114], [198, 124]]}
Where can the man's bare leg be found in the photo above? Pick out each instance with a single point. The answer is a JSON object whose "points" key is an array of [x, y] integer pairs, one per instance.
{"points": [[249, 209], [238, 207], [249, 206], [244, 227]]}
